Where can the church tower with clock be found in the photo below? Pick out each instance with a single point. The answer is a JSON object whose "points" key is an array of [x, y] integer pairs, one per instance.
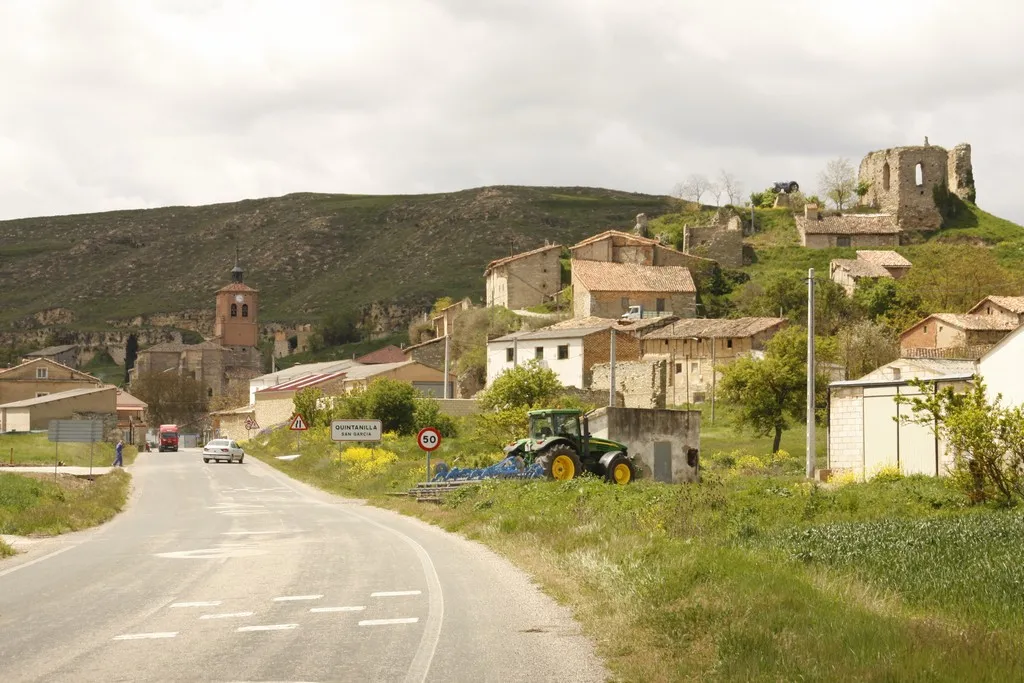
{"points": [[237, 309]]}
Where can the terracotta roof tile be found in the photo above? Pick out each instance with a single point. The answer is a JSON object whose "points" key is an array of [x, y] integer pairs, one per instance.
{"points": [[515, 257], [860, 267], [615, 233], [237, 287], [715, 327], [388, 354], [883, 257], [601, 276], [850, 224], [969, 321], [1014, 304]]}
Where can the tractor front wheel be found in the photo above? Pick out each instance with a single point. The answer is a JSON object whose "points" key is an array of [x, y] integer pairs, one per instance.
{"points": [[560, 463], [618, 469]]}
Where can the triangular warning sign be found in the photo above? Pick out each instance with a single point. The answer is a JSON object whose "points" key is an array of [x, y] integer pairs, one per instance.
{"points": [[298, 424]]}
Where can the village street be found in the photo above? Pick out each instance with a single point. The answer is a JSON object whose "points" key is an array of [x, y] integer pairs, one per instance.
{"points": [[238, 573]]}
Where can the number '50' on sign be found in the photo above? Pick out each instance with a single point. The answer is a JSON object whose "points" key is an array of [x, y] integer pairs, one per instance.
{"points": [[429, 438]]}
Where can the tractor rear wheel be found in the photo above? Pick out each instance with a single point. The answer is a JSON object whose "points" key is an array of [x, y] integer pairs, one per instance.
{"points": [[619, 470], [560, 463]]}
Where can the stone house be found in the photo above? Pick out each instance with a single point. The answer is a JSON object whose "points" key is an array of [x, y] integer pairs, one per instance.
{"points": [[969, 334], [721, 241], [35, 413], [608, 289], [614, 246], [67, 354], [571, 352], [695, 347], [290, 341], [524, 280], [232, 423], [869, 264], [859, 230], [903, 181], [444, 321], [864, 434], [430, 353], [1009, 308], [40, 377]]}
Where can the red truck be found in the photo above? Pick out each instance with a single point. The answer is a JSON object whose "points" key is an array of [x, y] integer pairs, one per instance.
{"points": [[168, 438]]}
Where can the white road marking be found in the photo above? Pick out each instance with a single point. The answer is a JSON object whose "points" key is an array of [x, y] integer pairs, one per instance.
{"points": [[388, 622], [15, 568], [286, 598], [213, 553], [228, 615], [144, 636], [393, 594], [336, 609], [271, 627], [211, 603], [251, 533]]}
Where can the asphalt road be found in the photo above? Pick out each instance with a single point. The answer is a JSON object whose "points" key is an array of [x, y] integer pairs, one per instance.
{"points": [[228, 572]]}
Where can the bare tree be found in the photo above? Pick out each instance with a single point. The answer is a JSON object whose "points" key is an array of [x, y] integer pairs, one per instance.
{"points": [[838, 182], [693, 188], [715, 190], [730, 186]]}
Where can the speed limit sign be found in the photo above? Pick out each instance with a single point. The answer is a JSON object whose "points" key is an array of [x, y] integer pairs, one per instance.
{"points": [[429, 438]]}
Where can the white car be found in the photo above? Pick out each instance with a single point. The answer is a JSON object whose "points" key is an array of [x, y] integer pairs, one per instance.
{"points": [[223, 449]]}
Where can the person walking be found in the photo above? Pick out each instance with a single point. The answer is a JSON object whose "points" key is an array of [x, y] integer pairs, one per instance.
{"points": [[119, 449]]}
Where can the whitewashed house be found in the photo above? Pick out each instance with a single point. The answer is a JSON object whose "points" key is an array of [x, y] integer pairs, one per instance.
{"points": [[1002, 369]]}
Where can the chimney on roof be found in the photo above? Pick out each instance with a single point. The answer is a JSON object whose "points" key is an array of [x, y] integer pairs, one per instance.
{"points": [[641, 225], [811, 212]]}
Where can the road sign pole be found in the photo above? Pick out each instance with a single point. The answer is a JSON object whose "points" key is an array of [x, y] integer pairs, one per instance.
{"points": [[428, 439]]}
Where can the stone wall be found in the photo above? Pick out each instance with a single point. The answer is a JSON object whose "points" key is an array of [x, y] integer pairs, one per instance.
{"points": [[430, 354], [894, 188], [458, 407], [846, 430], [610, 304], [597, 349], [723, 243], [825, 241], [642, 383]]}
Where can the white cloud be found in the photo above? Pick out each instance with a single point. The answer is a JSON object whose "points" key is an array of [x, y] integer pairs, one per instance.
{"points": [[128, 103]]}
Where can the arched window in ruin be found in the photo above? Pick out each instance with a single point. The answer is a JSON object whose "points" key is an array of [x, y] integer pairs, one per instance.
{"points": [[245, 310], [919, 174], [885, 177], [234, 310]]}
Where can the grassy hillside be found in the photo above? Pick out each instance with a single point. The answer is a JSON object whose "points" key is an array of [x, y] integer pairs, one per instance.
{"points": [[307, 253]]}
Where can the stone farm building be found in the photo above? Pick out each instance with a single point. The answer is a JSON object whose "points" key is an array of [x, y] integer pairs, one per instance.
{"points": [[858, 230], [40, 377], [955, 334], [66, 354], [693, 348], [607, 290], [523, 280], [1009, 308], [615, 246], [870, 265], [86, 402]]}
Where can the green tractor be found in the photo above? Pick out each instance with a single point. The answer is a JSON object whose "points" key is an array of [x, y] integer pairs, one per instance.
{"points": [[561, 444]]}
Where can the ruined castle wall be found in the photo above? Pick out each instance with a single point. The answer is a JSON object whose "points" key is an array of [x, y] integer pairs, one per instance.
{"points": [[961, 173], [723, 243], [893, 174]]}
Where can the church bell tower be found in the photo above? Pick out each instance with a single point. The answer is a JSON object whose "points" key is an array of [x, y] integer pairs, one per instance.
{"points": [[236, 312]]}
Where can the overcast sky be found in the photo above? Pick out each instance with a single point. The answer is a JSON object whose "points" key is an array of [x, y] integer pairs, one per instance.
{"points": [[108, 104]]}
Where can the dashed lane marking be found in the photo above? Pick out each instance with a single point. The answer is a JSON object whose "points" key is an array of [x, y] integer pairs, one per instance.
{"points": [[393, 594], [254, 533], [227, 615], [269, 627], [316, 610], [211, 603], [144, 636], [288, 598], [388, 622]]}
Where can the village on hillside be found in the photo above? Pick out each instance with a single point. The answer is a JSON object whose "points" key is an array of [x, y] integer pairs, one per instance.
{"points": [[630, 311]]}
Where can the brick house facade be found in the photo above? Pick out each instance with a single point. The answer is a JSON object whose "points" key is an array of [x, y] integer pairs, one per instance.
{"points": [[956, 331]]}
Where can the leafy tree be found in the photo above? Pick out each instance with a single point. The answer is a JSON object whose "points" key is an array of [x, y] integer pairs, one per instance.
{"points": [[887, 302], [309, 404], [765, 199], [441, 304], [770, 394], [954, 277], [131, 354], [985, 437], [866, 345], [172, 398], [785, 294], [334, 330], [428, 414], [838, 182], [393, 403], [471, 331], [524, 386]]}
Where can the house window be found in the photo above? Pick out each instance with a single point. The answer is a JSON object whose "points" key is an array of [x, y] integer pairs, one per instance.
{"points": [[728, 343], [843, 241], [538, 353], [925, 329], [245, 310], [563, 352], [679, 368], [42, 373], [919, 174], [234, 310], [509, 355], [885, 177], [895, 373], [694, 367], [625, 303], [659, 305]]}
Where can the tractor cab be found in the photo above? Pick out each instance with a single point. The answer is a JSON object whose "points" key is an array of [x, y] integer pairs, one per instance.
{"points": [[550, 424]]}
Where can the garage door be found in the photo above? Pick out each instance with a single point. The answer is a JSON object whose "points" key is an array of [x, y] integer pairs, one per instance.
{"points": [[881, 433], [917, 442]]}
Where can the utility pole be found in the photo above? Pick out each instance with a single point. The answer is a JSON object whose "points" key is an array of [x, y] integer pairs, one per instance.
{"points": [[611, 375], [714, 378], [811, 454], [447, 360], [515, 352]]}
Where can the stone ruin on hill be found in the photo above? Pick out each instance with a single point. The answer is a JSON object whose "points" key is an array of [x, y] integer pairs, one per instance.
{"points": [[909, 182]]}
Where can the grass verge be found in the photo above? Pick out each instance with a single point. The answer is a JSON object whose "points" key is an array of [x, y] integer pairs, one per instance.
{"points": [[755, 578], [35, 449], [39, 505]]}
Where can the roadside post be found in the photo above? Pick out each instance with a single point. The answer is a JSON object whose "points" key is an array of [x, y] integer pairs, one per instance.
{"points": [[250, 425], [356, 430], [428, 439], [73, 431], [298, 426]]}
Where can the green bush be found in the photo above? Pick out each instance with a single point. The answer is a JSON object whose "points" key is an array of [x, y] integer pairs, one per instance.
{"points": [[428, 414]]}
